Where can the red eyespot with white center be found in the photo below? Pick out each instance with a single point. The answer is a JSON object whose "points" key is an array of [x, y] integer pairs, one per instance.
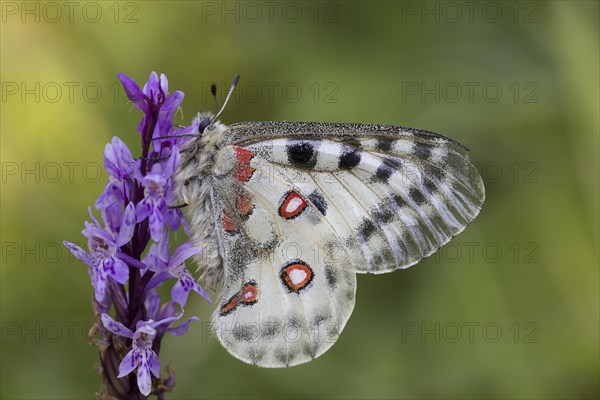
{"points": [[249, 293], [247, 296], [296, 275], [292, 204]]}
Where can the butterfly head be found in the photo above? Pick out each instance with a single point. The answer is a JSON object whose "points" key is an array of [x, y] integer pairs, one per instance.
{"points": [[206, 122]]}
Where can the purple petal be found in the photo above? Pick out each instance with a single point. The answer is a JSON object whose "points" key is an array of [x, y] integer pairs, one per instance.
{"points": [[158, 279], [118, 160], [79, 253], [164, 83], [127, 226], [127, 365], [182, 328], [156, 223], [169, 310], [120, 272], [183, 252], [151, 87], [116, 327], [154, 364], [186, 282], [152, 304], [94, 220], [99, 283], [112, 216], [172, 163], [132, 262], [174, 218], [111, 192], [131, 88], [172, 102], [143, 209], [164, 321], [162, 249], [152, 261], [143, 378], [180, 292]]}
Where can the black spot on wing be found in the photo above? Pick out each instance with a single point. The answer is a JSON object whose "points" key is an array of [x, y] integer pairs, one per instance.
{"points": [[319, 201], [384, 172], [245, 333], [393, 162], [349, 158], [331, 277], [384, 145], [435, 172], [399, 200], [366, 230], [387, 167], [416, 196], [301, 153], [320, 318], [255, 354], [270, 329], [429, 186], [422, 150], [382, 214]]}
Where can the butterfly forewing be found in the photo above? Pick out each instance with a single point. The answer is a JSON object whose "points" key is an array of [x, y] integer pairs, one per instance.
{"points": [[389, 195]]}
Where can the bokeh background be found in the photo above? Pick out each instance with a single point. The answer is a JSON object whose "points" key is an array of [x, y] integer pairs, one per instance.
{"points": [[509, 309]]}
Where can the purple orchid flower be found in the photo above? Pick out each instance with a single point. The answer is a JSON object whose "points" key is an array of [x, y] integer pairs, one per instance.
{"points": [[103, 246], [157, 260], [141, 355], [124, 283], [157, 189], [121, 167], [155, 94]]}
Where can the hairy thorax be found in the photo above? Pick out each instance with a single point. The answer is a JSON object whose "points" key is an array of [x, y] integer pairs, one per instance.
{"points": [[194, 180]]}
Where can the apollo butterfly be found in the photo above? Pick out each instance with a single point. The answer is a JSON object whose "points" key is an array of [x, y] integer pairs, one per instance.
{"points": [[287, 214]]}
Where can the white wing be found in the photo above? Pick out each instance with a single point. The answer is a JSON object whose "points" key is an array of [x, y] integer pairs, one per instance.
{"points": [[301, 207]]}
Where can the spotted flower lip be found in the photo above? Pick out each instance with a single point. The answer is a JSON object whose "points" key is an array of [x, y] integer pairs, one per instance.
{"points": [[141, 355], [167, 268], [103, 249]]}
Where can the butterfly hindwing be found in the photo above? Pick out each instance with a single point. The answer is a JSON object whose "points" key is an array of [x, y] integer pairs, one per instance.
{"points": [[285, 298]]}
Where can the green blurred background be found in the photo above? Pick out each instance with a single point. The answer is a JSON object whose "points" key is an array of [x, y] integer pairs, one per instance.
{"points": [[509, 309]]}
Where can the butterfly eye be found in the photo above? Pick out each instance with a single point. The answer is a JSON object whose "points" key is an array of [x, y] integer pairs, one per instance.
{"points": [[203, 125], [186, 183]]}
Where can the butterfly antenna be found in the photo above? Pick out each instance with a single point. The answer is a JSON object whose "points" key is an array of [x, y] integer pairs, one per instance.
{"points": [[213, 91], [236, 78]]}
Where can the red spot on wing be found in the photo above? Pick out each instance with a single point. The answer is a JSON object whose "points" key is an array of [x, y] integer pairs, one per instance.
{"points": [[244, 204], [296, 275], [244, 156], [229, 306], [228, 224], [249, 293], [247, 296], [244, 171], [292, 205]]}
